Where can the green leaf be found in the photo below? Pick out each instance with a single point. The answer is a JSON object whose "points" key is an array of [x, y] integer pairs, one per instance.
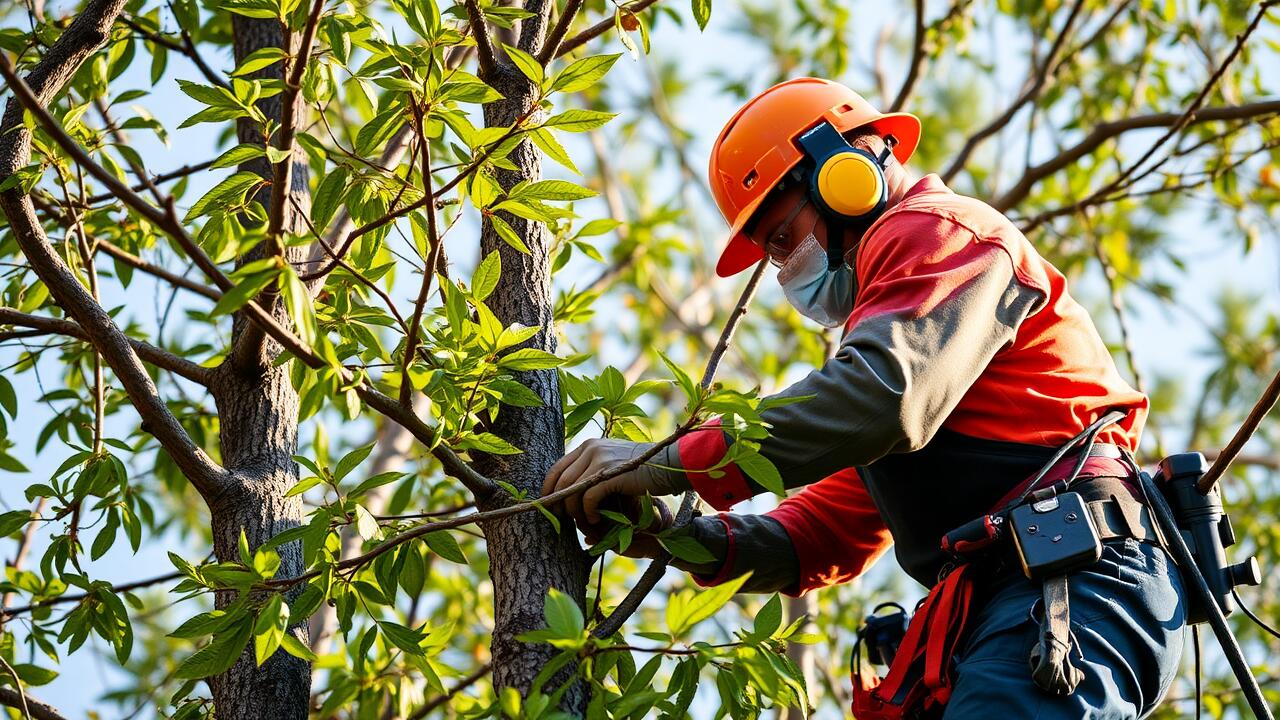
{"points": [[407, 639], [380, 129], [529, 359], [303, 485], [219, 655], [294, 647], [527, 64], [446, 546], [237, 155], [553, 190], [769, 618], [248, 287], [490, 443], [583, 73], [563, 616], [329, 196], [298, 305], [259, 59], [229, 193], [13, 521], [575, 120], [514, 393], [34, 674], [351, 461], [702, 12], [687, 549], [689, 611], [269, 629], [760, 469], [507, 234], [548, 144], [486, 276], [691, 391]]}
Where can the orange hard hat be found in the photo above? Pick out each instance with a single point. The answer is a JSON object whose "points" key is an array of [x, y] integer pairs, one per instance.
{"points": [[758, 147]]}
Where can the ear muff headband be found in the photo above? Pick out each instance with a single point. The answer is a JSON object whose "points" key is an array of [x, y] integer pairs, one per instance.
{"points": [[846, 181]]}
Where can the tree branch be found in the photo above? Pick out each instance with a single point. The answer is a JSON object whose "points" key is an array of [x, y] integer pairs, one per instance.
{"points": [[461, 685], [484, 44], [137, 263], [551, 49], [1183, 120], [917, 59], [599, 28], [1037, 80], [1108, 130], [159, 357], [186, 47], [35, 709], [1247, 428], [658, 567], [88, 32], [6, 615]]}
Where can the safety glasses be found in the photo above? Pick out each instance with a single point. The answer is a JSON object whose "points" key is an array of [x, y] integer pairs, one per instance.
{"points": [[778, 245]]}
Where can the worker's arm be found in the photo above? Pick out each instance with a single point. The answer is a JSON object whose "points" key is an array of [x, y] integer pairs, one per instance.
{"points": [[935, 309], [828, 533]]}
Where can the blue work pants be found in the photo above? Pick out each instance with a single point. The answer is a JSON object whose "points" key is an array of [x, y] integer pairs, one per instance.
{"points": [[1127, 615]]}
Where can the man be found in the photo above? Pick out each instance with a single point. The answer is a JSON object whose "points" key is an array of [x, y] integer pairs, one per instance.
{"points": [[965, 365]]}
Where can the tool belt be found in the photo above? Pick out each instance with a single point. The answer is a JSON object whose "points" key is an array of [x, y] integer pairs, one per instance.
{"points": [[1049, 530]]}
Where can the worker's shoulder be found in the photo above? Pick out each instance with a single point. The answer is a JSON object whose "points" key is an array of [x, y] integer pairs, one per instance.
{"points": [[936, 208], [934, 226]]}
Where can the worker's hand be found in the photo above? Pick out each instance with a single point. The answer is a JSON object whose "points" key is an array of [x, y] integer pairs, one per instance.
{"points": [[643, 542], [595, 456]]}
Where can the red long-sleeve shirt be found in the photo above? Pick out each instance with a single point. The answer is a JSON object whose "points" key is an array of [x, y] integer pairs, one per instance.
{"points": [[958, 327]]}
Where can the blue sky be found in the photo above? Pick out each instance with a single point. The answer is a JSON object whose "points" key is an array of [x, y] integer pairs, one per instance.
{"points": [[1165, 345]]}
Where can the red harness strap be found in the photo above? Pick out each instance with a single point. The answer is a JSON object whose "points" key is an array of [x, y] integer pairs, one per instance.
{"points": [[919, 680]]}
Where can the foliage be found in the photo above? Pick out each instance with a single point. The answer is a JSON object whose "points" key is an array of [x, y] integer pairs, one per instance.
{"points": [[391, 564]]}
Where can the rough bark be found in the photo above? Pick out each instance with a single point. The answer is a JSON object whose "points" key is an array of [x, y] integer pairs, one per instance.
{"points": [[258, 412], [527, 556]]}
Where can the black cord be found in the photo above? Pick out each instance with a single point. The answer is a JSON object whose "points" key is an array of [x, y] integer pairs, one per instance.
{"points": [[1089, 432], [1257, 620], [1195, 643]]}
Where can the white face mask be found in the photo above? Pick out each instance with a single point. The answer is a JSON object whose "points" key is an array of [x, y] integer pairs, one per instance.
{"points": [[817, 292]]}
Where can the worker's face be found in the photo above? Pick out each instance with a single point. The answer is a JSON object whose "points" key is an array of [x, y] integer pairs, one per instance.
{"points": [[785, 221]]}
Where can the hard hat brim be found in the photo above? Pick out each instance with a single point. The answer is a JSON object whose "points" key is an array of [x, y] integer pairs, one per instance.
{"points": [[741, 252]]}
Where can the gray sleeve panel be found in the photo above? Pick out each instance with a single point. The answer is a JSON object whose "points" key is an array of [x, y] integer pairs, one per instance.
{"points": [[761, 546], [895, 379]]}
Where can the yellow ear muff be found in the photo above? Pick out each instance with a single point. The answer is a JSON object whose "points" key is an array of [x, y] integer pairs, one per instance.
{"points": [[850, 184]]}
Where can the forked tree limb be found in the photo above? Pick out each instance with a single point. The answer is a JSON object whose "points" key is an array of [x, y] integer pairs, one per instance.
{"points": [[86, 34], [599, 28]]}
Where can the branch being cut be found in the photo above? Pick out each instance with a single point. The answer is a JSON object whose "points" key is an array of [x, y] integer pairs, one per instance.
{"points": [[1108, 130], [159, 357], [658, 567], [88, 32]]}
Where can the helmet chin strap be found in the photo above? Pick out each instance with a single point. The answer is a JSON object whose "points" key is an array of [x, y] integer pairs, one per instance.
{"points": [[835, 242]]}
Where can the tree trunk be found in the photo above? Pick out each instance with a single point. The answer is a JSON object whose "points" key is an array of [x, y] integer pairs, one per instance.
{"points": [[258, 413], [527, 556]]}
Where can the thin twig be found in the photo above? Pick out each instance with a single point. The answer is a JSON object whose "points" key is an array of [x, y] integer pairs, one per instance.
{"points": [[1247, 428], [124, 256], [458, 687], [917, 59], [658, 567], [1183, 120], [599, 28], [1039, 77], [551, 49], [7, 615]]}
